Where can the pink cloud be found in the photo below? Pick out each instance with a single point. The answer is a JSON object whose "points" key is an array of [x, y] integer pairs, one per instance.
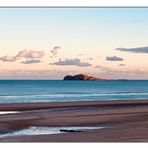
{"points": [[8, 58], [26, 53]]}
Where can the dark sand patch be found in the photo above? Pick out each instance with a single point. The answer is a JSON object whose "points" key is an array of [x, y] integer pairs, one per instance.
{"points": [[128, 119]]}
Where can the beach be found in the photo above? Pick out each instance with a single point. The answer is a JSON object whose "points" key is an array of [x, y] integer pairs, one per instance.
{"points": [[73, 74], [122, 120]]}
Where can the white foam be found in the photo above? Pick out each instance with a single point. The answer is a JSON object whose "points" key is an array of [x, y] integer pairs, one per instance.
{"points": [[8, 112], [35, 130], [74, 95]]}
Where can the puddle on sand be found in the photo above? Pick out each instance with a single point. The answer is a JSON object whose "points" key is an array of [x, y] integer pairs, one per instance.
{"points": [[8, 112], [36, 130]]}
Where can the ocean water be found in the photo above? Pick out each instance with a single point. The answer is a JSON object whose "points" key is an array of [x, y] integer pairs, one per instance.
{"points": [[59, 90]]}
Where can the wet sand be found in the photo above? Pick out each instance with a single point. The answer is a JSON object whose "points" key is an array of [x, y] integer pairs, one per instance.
{"points": [[126, 121]]}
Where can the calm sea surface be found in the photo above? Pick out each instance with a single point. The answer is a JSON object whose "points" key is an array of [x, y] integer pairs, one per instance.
{"points": [[56, 90]]}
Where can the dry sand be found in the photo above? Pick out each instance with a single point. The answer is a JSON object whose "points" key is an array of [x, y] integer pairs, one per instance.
{"points": [[127, 121]]}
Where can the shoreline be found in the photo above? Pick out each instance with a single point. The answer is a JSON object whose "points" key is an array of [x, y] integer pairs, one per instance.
{"points": [[50, 105], [128, 120]]}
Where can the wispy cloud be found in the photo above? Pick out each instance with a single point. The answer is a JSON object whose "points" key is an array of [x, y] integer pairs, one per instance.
{"points": [[90, 58], [35, 74], [82, 54], [114, 58], [73, 62], [108, 72], [31, 61], [26, 53], [102, 68], [98, 66], [55, 49], [134, 50], [121, 65], [8, 58], [85, 56], [136, 21]]}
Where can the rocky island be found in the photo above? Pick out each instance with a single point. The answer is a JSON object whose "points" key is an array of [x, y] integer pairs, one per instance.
{"points": [[82, 77]]}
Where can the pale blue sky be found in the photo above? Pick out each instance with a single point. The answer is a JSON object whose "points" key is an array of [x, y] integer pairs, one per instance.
{"points": [[95, 32]]}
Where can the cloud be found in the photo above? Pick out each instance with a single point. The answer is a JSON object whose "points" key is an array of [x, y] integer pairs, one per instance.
{"points": [[102, 68], [31, 61], [85, 56], [121, 65], [55, 49], [114, 73], [74, 62], [98, 66], [8, 58], [26, 53], [114, 58], [90, 58], [82, 54], [134, 50], [45, 74], [136, 21]]}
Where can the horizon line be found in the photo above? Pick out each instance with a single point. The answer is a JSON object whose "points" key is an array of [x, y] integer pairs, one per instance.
{"points": [[71, 80]]}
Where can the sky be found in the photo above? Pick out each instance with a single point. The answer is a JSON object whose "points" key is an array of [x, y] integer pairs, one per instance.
{"points": [[49, 43]]}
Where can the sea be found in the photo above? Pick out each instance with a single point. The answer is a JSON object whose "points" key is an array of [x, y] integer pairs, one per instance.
{"points": [[14, 91]]}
